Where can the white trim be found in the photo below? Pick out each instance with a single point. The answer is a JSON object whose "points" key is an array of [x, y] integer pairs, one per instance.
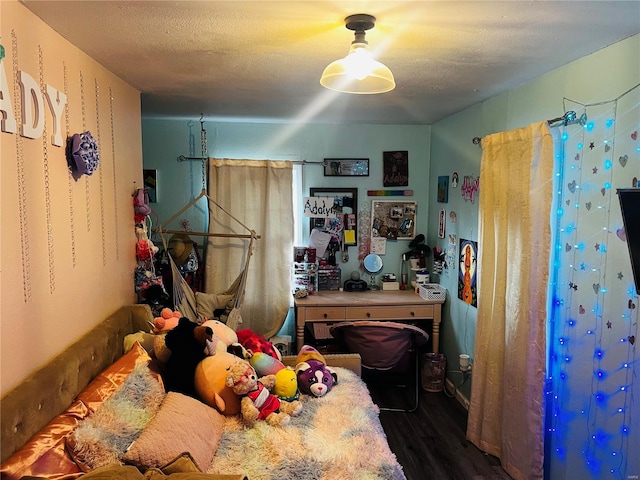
{"points": [[464, 401]]}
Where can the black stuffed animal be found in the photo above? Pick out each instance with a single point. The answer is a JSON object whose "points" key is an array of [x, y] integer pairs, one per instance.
{"points": [[189, 344]]}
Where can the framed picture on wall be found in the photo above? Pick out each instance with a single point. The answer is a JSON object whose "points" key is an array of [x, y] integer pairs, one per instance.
{"points": [[343, 220], [393, 220], [150, 179], [395, 168], [346, 167], [443, 189], [442, 221]]}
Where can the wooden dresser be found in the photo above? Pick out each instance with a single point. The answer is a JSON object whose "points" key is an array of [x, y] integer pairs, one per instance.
{"points": [[390, 305]]}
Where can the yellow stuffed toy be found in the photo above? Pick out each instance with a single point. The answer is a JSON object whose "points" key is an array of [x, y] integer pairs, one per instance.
{"points": [[258, 403]]}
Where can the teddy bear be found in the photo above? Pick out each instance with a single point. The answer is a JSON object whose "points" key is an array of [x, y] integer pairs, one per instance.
{"points": [[314, 376], [189, 343], [258, 403]]}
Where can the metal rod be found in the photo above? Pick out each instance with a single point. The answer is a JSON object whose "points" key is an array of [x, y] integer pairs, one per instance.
{"points": [[209, 234], [569, 118], [183, 158]]}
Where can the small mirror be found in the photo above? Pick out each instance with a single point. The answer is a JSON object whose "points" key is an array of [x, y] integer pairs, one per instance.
{"points": [[373, 265]]}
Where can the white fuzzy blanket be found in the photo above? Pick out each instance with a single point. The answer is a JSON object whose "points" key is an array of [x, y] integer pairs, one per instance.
{"points": [[337, 437]]}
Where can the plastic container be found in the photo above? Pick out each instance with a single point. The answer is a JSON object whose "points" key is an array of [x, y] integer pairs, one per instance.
{"points": [[434, 368]]}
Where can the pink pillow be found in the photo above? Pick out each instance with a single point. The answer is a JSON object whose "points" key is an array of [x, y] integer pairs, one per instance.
{"points": [[183, 424]]}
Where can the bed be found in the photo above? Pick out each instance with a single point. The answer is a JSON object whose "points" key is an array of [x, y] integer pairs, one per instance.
{"points": [[338, 436]]}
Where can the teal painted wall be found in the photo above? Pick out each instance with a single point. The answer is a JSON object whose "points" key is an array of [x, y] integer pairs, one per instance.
{"points": [[180, 182]]}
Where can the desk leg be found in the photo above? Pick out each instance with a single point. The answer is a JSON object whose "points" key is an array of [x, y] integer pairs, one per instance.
{"points": [[300, 319], [436, 328]]}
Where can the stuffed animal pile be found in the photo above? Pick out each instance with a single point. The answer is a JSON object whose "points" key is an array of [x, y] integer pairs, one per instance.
{"points": [[237, 372]]}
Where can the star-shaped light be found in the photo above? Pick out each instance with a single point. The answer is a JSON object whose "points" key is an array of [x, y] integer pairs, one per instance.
{"points": [[620, 276], [609, 324], [591, 145], [595, 170], [583, 266], [597, 247]]}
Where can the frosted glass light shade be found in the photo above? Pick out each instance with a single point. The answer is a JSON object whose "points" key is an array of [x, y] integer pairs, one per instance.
{"points": [[358, 73]]}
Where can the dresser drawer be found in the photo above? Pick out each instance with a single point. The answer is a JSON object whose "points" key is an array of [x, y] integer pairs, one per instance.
{"points": [[390, 313], [324, 313]]}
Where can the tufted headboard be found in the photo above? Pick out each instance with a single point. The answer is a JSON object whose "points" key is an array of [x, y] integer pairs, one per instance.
{"points": [[50, 390]]}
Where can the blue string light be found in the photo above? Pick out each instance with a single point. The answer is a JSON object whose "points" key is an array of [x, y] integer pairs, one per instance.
{"points": [[604, 421]]}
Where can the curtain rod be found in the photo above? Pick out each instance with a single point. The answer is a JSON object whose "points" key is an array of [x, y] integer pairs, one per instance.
{"points": [[569, 118], [183, 158]]}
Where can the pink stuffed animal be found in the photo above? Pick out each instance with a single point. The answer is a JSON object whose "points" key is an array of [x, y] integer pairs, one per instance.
{"points": [[167, 320]]}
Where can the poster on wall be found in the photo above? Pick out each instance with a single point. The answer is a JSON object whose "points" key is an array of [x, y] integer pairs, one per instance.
{"points": [[443, 189], [467, 288], [395, 169]]}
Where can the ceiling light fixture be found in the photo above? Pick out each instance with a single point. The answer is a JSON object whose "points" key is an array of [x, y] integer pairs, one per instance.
{"points": [[358, 72]]}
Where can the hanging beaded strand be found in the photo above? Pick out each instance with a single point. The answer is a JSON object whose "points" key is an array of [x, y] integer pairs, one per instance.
{"points": [[70, 180], [100, 176], [113, 164], [47, 183], [205, 148], [87, 192], [22, 191]]}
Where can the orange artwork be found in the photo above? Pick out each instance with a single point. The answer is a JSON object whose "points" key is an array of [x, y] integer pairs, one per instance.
{"points": [[467, 291]]}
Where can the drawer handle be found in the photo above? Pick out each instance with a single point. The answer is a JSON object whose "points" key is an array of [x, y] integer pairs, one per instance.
{"points": [[325, 315], [368, 315], [413, 314]]}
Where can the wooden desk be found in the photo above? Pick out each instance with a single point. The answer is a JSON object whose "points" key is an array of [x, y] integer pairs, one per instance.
{"points": [[389, 305]]}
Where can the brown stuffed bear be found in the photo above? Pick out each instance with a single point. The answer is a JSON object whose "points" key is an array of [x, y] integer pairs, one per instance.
{"points": [[258, 403]]}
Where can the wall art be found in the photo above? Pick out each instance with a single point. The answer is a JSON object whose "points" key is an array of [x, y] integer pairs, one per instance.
{"points": [[343, 220], [442, 220], [467, 288], [393, 220], [150, 180], [346, 167], [443, 189], [395, 169]]}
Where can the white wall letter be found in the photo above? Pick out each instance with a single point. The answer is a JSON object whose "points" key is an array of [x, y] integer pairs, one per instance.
{"points": [[8, 119], [32, 107], [56, 101]]}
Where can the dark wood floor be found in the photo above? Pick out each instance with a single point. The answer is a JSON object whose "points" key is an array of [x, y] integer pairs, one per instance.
{"points": [[430, 443]]}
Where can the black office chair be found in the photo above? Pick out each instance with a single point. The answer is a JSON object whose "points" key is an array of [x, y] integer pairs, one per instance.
{"points": [[388, 348]]}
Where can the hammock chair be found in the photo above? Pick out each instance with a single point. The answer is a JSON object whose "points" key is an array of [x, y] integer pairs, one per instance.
{"points": [[184, 298]]}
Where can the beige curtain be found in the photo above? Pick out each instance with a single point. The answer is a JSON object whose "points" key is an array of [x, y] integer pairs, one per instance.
{"points": [[259, 194], [507, 395]]}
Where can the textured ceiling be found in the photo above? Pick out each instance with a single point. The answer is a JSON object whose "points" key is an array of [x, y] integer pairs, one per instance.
{"points": [[239, 60]]}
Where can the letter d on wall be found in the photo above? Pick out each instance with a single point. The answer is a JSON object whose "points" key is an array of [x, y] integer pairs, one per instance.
{"points": [[32, 107]]}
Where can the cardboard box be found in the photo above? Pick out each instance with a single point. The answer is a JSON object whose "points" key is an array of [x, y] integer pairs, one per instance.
{"points": [[390, 286]]}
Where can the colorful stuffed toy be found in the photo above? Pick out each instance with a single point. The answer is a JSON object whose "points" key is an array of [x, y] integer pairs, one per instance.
{"points": [[314, 376], [258, 403], [265, 364], [256, 343], [189, 344], [286, 387]]}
